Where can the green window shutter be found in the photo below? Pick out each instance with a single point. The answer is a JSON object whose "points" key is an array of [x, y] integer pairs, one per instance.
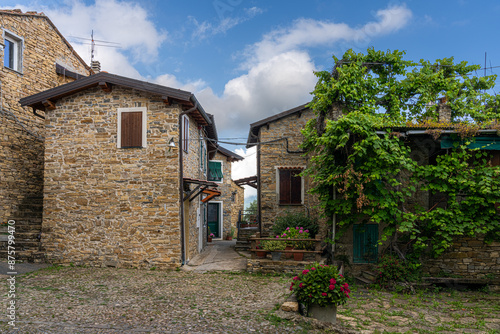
{"points": [[215, 171]]}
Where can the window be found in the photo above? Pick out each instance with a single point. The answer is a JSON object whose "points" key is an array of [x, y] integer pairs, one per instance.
{"points": [[203, 156], [132, 127], [13, 51], [215, 171], [185, 133], [290, 186]]}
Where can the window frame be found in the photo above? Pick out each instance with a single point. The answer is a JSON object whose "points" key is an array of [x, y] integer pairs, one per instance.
{"points": [[144, 112], [185, 134], [18, 50], [203, 156], [278, 185], [221, 170]]}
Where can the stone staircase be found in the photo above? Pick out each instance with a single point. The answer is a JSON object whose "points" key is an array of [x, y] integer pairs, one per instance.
{"points": [[28, 228], [242, 243], [366, 277]]}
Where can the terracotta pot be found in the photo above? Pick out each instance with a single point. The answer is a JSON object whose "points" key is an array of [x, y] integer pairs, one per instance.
{"points": [[229, 238], [209, 239], [323, 313], [261, 254], [298, 256], [289, 255]]}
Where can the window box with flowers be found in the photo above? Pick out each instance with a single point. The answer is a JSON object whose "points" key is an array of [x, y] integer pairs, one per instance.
{"points": [[321, 288]]}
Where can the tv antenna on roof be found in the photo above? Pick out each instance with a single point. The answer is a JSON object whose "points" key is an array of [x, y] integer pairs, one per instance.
{"points": [[99, 43]]}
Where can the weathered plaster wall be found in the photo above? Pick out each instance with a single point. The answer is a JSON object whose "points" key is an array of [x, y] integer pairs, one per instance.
{"points": [[107, 206], [274, 155], [21, 153]]}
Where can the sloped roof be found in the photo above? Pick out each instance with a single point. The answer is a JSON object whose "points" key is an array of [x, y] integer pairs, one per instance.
{"points": [[18, 12], [230, 154], [38, 101], [255, 127]]}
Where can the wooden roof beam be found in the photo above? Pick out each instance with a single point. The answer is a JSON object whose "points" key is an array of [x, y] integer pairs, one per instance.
{"points": [[105, 86], [49, 105]]}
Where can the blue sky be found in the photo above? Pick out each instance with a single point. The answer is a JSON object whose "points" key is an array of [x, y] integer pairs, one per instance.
{"points": [[246, 59]]}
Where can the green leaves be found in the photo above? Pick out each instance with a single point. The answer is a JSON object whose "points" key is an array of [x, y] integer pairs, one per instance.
{"points": [[361, 155]]}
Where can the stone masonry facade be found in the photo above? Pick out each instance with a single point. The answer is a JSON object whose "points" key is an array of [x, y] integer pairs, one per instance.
{"points": [[468, 257], [21, 133], [108, 206], [274, 155], [232, 196]]}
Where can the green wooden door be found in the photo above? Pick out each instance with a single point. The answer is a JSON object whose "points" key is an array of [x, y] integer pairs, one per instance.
{"points": [[365, 243], [213, 216]]}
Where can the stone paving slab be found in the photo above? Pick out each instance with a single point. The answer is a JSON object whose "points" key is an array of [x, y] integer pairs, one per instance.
{"points": [[218, 256]]}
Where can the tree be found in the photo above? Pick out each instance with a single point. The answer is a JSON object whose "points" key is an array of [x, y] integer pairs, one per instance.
{"points": [[252, 207], [356, 146]]}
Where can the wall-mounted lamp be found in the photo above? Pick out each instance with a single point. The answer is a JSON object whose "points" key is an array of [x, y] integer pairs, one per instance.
{"points": [[171, 143]]}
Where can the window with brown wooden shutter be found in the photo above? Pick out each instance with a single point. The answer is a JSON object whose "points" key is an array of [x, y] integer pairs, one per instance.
{"points": [[131, 129], [290, 186]]}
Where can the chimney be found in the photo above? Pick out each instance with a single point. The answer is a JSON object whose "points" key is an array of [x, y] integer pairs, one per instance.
{"points": [[95, 65], [444, 111]]}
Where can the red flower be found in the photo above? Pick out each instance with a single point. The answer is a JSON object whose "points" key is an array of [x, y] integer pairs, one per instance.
{"points": [[300, 285], [331, 287], [310, 296], [324, 294], [305, 271], [313, 268], [333, 281], [296, 278], [291, 287]]}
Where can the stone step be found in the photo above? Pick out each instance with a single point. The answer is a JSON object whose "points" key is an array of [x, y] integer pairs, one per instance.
{"points": [[369, 275], [363, 280]]}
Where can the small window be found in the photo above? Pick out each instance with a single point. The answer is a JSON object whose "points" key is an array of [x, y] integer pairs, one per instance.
{"points": [[185, 133], [215, 171], [132, 127], [13, 51], [203, 156], [290, 186]]}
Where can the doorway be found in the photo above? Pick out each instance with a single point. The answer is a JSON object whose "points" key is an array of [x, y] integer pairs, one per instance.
{"points": [[365, 243], [214, 218]]}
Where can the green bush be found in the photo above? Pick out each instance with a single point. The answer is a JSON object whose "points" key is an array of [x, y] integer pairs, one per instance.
{"points": [[391, 269], [291, 219]]}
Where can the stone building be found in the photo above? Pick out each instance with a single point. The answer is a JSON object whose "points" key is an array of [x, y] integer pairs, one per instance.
{"points": [[126, 172], [279, 161], [223, 212], [280, 189], [34, 57]]}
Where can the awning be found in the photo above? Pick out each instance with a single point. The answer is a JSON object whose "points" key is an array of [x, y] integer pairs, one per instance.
{"points": [[202, 187], [247, 181]]}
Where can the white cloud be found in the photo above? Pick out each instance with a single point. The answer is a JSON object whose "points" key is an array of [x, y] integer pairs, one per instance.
{"points": [[125, 23], [304, 33], [245, 168], [206, 29]]}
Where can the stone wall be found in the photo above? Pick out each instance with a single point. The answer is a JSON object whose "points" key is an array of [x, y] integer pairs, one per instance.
{"points": [[107, 206], [468, 258], [265, 266], [191, 168], [274, 155], [21, 133], [231, 203]]}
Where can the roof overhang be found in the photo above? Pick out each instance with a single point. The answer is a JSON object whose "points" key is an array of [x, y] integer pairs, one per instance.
{"points": [[253, 134], [47, 100]]}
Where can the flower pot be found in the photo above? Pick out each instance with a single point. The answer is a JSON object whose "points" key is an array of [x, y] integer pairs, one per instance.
{"points": [[209, 239], [229, 238], [261, 254], [323, 313], [276, 256], [289, 255], [298, 256]]}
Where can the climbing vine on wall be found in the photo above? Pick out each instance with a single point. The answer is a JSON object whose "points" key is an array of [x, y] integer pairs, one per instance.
{"points": [[359, 147]]}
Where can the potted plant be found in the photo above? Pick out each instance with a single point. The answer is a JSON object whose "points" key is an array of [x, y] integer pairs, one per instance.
{"points": [[230, 235], [321, 289], [297, 233], [210, 236], [274, 246], [261, 254]]}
